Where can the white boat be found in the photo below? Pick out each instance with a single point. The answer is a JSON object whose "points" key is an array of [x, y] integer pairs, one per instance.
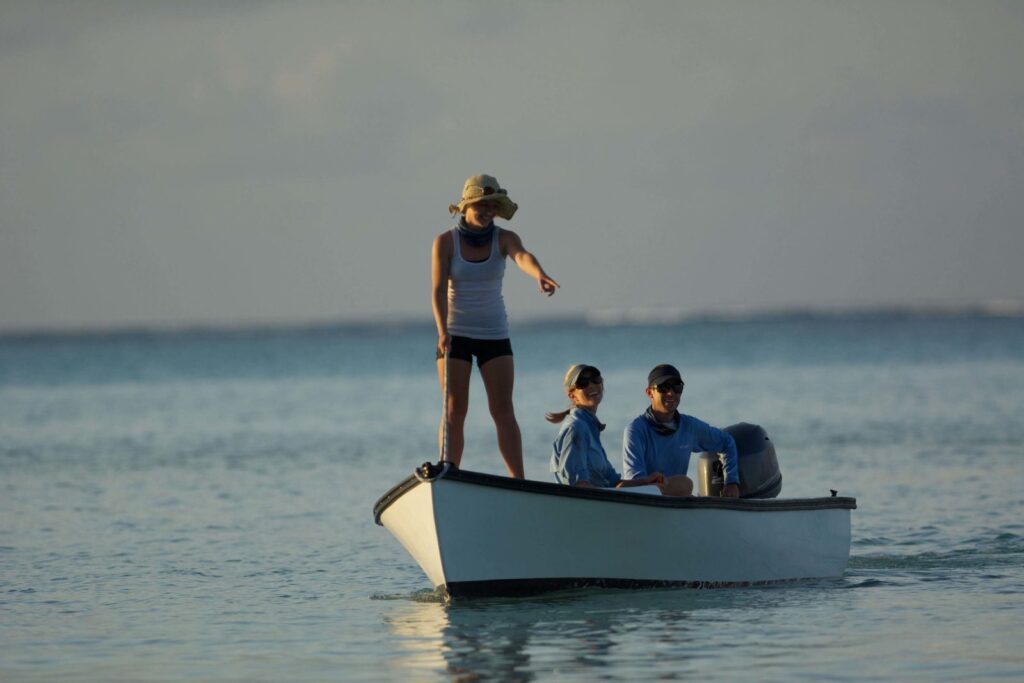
{"points": [[477, 534]]}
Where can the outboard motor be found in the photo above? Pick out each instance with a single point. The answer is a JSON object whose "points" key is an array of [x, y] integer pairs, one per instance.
{"points": [[759, 467]]}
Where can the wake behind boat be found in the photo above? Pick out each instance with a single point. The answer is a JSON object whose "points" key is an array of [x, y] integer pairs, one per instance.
{"points": [[477, 534]]}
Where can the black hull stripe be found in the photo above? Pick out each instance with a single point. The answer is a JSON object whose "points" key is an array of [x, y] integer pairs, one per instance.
{"points": [[515, 588]]}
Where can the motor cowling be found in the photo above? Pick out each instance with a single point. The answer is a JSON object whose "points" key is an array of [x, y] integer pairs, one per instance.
{"points": [[760, 476]]}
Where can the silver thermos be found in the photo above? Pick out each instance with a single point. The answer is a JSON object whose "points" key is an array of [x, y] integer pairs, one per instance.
{"points": [[710, 475]]}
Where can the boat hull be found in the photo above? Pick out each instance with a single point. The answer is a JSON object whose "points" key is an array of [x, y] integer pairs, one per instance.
{"points": [[477, 534]]}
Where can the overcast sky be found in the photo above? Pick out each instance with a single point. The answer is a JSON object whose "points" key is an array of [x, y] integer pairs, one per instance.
{"points": [[235, 162]]}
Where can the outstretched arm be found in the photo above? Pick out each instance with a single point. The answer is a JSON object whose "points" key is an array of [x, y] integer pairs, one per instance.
{"points": [[527, 262]]}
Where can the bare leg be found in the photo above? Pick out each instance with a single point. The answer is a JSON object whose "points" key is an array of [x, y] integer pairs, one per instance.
{"points": [[498, 375], [458, 404]]}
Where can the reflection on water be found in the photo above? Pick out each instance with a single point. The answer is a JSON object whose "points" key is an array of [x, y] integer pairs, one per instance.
{"points": [[419, 627], [588, 633]]}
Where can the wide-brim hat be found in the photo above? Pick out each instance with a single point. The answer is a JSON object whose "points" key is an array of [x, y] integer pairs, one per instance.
{"points": [[479, 188]]}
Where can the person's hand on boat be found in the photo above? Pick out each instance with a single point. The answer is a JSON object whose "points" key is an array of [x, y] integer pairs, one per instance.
{"points": [[731, 491], [657, 479]]}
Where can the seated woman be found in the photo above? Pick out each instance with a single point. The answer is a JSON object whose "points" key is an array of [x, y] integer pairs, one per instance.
{"points": [[578, 458]]}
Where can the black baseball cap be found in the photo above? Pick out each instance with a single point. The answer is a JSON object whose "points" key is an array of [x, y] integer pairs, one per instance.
{"points": [[663, 373]]}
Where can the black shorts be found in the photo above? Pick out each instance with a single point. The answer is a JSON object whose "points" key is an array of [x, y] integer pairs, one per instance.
{"points": [[465, 348]]}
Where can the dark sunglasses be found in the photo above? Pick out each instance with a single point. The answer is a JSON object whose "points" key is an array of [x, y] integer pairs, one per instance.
{"points": [[584, 382], [675, 387]]}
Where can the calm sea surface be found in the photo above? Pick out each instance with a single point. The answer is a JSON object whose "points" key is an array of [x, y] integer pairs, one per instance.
{"points": [[199, 506]]}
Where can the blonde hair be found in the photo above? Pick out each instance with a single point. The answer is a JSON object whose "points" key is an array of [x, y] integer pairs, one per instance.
{"points": [[569, 382], [555, 418]]}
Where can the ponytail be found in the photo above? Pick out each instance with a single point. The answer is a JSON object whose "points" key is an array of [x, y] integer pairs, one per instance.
{"points": [[555, 418]]}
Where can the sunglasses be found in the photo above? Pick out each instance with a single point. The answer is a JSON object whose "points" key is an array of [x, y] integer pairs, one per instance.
{"points": [[584, 382], [674, 387]]}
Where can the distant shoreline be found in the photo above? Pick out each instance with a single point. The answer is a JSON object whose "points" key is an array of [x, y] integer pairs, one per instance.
{"points": [[635, 317]]}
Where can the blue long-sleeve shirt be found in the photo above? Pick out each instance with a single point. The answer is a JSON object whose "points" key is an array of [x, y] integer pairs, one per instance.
{"points": [[645, 451], [578, 454]]}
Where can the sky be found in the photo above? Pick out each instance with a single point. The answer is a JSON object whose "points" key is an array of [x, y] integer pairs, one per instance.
{"points": [[231, 163]]}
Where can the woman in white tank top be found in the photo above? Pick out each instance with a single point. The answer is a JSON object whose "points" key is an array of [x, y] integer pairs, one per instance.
{"points": [[468, 263]]}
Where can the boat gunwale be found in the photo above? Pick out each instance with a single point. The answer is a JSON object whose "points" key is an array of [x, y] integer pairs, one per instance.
{"points": [[454, 474]]}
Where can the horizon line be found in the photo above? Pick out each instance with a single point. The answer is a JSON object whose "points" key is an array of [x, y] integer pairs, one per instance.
{"points": [[608, 317]]}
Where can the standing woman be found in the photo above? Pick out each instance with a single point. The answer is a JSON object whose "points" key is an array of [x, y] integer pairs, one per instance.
{"points": [[468, 263]]}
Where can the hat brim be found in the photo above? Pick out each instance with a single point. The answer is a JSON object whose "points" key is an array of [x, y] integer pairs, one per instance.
{"points": [[506, 207], [575, 372], [664, 378]]}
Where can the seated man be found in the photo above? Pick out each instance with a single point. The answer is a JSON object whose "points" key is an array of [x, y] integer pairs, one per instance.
{"points": [[662, 439]]}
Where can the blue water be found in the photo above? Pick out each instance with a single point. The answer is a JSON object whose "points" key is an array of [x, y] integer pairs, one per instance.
{"points": [[197, 505]]}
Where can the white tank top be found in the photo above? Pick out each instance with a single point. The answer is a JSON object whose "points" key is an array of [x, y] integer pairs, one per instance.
{"points": [[476, 308]]}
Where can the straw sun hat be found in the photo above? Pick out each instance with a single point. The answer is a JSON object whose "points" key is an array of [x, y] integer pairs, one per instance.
{"points": [[481, 188]]}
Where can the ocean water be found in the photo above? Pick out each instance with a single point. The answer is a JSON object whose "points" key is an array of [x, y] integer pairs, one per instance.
{"points": [[198, 505]]}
